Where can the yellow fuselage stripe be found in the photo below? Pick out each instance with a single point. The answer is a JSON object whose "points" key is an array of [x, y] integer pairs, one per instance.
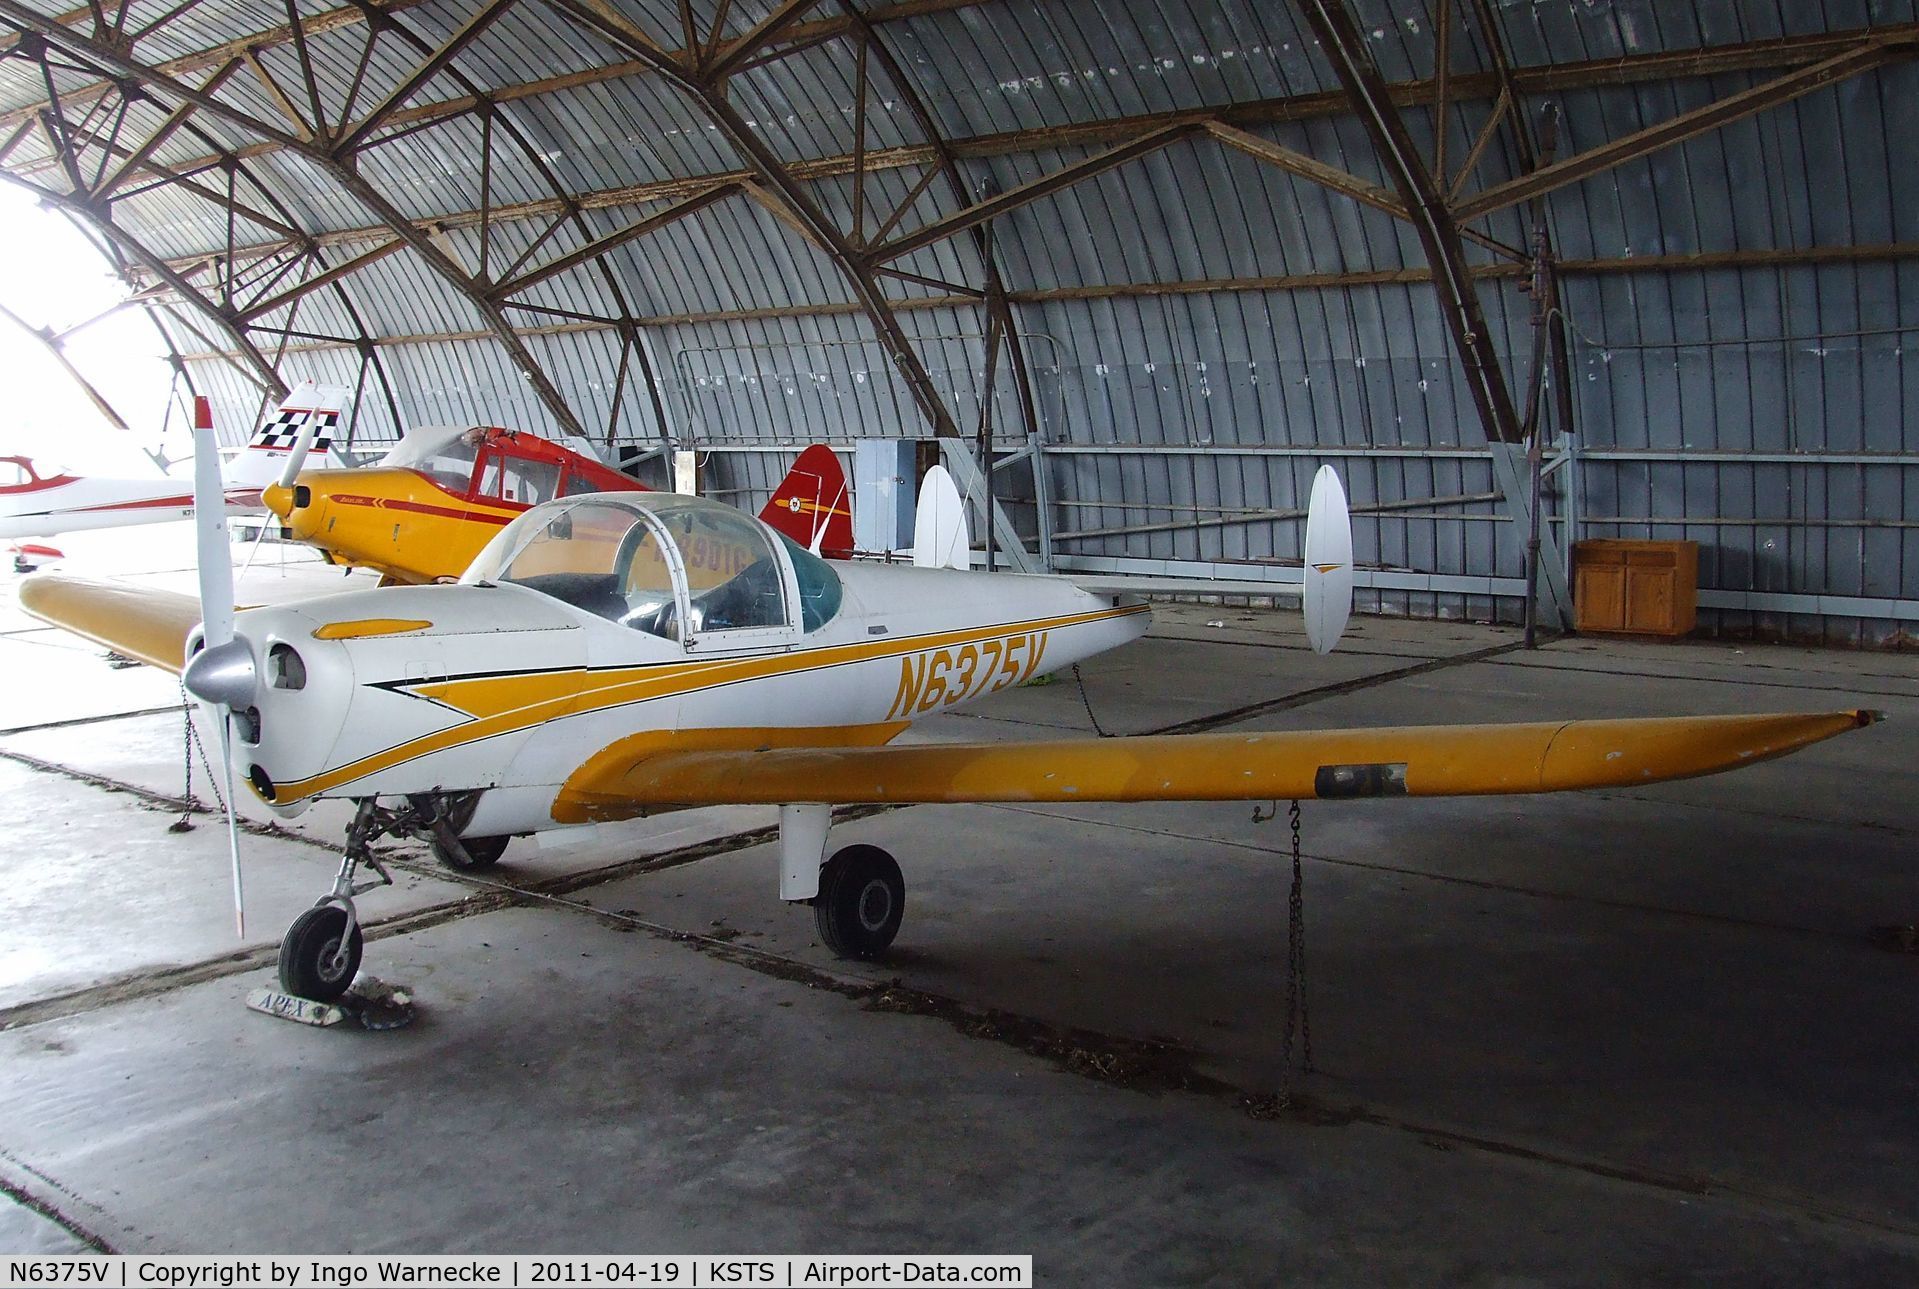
{"points": [[509, 706]]}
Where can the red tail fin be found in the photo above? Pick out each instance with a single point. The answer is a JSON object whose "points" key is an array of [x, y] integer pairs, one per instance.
{"points": [[812, 505]]}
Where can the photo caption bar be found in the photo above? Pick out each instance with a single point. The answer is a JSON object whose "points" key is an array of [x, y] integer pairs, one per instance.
{"points": [[571, 1271]]}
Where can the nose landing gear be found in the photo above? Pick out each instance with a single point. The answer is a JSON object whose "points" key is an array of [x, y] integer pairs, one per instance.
{"points": [[320, 953], [321, 950]]}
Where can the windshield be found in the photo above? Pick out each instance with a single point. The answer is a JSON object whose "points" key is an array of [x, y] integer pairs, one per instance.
{"points": [[445, 455], [733, 576], [610, 559], [605, 559], [819, 586]]}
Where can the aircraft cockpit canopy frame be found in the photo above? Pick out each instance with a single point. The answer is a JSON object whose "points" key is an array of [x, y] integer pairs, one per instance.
{"points": [[488, 462], [686, 569]]}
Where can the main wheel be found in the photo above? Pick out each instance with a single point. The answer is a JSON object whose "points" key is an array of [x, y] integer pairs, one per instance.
{"points": [[861, 901], [481, 852], [310, 965]]}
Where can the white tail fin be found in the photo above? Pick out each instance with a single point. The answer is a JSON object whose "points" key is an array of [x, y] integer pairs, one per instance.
{"points": [[1329, 561], [940, 539], [311, 409]]}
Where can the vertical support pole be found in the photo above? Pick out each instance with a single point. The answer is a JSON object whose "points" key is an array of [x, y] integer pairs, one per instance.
{"points": [[359, 389], [369, 352], [986, 426], [957, 456], [1535, 462], [1042, 498], [1562, 378]]}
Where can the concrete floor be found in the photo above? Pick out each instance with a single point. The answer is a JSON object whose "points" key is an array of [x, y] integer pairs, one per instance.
{"points": [[1640, 1036]]}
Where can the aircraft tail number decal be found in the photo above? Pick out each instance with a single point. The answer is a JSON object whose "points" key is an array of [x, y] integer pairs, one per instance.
{"points": [[935, 678]]}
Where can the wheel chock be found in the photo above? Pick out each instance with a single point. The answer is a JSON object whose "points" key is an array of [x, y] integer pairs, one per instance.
{"points": [[371, 1001], [303, 1011]]}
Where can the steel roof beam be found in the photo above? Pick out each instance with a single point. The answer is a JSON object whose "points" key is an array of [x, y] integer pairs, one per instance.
{"points": [[1241, 117], [244, 352], [594, 249], [1298, 163], [272, 37], [432, 66], [1352, 63], [363, 11], [341, 172], [1867, 56], [138, 157], [57, 350], [764, 33], [1044, 186], [608, 23], [1894, 252], [324, 279], [1633, 69]]}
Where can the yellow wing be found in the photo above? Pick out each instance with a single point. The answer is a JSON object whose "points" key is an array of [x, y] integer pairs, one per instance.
{"points": [[152, 626], [1418, 761]]}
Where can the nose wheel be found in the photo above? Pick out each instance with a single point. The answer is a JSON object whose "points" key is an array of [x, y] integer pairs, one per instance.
{"points": [[861, 900], [321, 953]]}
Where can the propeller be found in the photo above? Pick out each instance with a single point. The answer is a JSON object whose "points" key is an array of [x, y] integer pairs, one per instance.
{"points": [[296, 458], [302, 445], [1329, 562], [222, 673]]}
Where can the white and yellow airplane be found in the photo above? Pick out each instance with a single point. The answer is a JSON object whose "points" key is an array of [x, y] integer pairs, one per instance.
{"points": [[36, 501], [615, 655]]}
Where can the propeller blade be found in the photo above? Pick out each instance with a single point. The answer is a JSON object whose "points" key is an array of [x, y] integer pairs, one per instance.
{"points": [[1329, 562], [210, 528], [233, 828], [223, 671], [301, 446]]}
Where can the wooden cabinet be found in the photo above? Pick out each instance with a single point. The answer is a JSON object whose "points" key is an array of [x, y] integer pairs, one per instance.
{"points": [[1642, 588]]}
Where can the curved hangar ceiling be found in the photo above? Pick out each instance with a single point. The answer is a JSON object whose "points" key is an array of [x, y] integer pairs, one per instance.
{"points": [[1226, 241]]}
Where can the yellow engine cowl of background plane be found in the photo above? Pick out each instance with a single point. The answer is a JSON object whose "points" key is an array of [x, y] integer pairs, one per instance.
{"points": [[390, 520]]}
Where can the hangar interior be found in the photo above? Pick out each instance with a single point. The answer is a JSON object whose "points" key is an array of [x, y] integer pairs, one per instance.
{"points": [[743, 227], [1149, 265]]}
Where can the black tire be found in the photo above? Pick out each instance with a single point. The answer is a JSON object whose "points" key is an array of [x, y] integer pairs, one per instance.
{"points": [[481, 852], [307, 968], [861, 901]]}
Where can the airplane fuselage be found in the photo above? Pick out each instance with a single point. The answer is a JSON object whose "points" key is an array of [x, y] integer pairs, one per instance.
{"points": [[46, 505], [506, 691], [395, 521]]}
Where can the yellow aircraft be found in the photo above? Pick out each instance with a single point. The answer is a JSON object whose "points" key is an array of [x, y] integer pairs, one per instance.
{"points": [[424, 510], [615, 655]]}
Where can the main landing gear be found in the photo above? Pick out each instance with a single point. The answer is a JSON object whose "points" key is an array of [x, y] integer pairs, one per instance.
{"points": [[862, 898], [858, 896], [321, 951]]}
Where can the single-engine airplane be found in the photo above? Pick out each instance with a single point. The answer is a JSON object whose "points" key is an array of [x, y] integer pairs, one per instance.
{"points": [[613, 655], [422, 512], [39, 503]]}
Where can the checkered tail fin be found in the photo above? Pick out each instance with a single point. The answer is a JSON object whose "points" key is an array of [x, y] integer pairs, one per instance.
{"points": [[266, 455]]}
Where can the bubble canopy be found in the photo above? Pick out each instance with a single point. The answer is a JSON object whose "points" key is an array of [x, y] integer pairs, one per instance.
{"points": [[670, 565]]}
